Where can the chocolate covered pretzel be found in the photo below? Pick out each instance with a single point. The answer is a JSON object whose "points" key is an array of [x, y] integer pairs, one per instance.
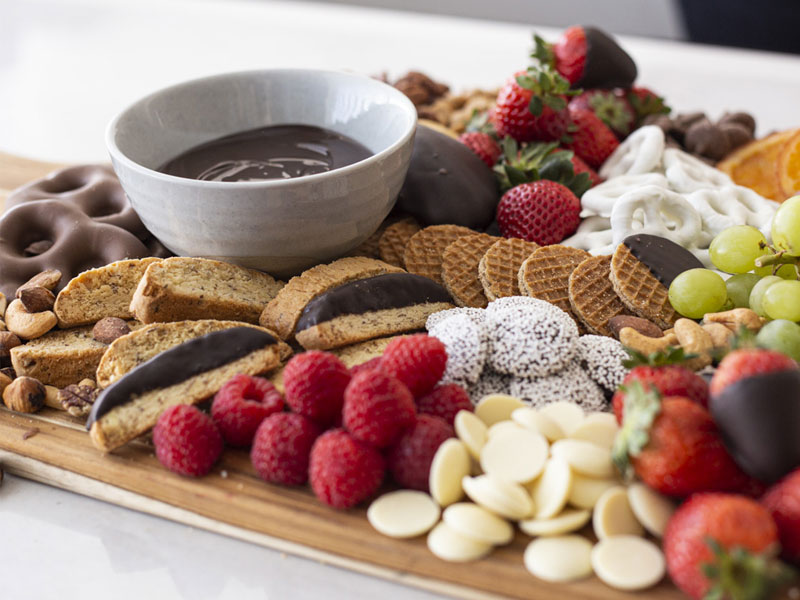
{"points": [[71, 242]]}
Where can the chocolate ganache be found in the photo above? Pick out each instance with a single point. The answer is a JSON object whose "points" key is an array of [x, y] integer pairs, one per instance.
{"points": [[275, 152], [180, 363]]}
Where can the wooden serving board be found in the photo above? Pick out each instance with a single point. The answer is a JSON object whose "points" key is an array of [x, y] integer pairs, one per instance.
{"points": [[54, 448]]}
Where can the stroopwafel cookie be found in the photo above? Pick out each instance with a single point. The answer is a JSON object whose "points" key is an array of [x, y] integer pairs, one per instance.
{"points": [[642, 268], [393, 241], [460, 269], [545, 273], [425, 250], [499, 267], [592, 297]]}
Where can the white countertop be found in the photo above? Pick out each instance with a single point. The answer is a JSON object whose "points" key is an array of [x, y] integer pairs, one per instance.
{"points": [[66, 67]]}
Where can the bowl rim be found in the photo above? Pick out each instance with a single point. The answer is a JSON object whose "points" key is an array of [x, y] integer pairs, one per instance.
{"points": [[117, 155]]}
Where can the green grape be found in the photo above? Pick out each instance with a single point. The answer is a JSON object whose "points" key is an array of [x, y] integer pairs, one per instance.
{"points": [[739, 288], [781, 335], [782, 300], [736, 248], [784, 272], [696, 292], [757, 293], [786, 226]]}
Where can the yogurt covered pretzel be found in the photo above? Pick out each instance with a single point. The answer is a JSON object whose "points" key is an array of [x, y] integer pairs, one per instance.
{"points": [[593, 235], [687, 174], [599, 200], [640, 153], [727, 206]]}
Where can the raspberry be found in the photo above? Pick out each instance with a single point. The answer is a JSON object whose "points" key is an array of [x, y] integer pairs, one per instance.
{"points": [[377, 407], [314, 383], [282, 447], [411, 457], [344, 471], [417, 361], [187, 440], [241, 404], [370, 365], [444, 401]]}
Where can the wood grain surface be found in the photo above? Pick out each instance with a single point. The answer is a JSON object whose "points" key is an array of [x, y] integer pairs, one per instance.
{"points": [[54, 448]]}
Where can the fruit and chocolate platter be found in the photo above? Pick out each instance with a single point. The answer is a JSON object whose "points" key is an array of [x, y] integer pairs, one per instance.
{"points": [[565, 364]]}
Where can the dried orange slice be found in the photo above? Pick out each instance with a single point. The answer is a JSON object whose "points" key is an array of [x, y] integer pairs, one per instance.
{"points": [[789, 166], [755, 164]]}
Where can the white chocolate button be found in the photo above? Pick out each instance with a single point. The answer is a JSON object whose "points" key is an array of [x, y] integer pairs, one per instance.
{"points": [[568, 415], [597, 429], [532, 419], [450, 465], [515, 454], [586, 491], [472, 431], [627, 562], [502, 426], [559, 559], [497, 407], [504, 498], [651, 508], [403, 514], [551, 490], [585, 457], [613, 515], [450, 545], [473, 521], [566, 522]]}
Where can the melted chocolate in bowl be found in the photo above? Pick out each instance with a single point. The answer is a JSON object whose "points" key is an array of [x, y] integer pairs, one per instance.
{"points": [[274, 152]]}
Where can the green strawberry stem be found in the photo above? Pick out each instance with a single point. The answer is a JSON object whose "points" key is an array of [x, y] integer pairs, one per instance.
{"points": [[641, 407], [738, 574], [536, 161], [669, 356]]}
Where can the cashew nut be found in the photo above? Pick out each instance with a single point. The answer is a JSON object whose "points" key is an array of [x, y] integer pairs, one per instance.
{"points": [[634, 340], [28, 325], [736, 319], [694, 340], [51, 399], [3, 304], [720, 335]]}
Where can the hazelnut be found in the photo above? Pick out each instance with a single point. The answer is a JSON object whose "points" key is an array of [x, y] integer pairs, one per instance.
{"points": [[24, 394], [28, 325], [107, 329], [5, 381], [36, 299], [8, 341], [47, 279]]}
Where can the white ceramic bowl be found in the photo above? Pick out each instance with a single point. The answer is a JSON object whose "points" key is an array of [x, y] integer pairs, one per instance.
{"points": [[280, 226]]}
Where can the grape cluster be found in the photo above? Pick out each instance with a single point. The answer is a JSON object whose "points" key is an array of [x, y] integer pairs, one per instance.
{"points": [[771, 290]]}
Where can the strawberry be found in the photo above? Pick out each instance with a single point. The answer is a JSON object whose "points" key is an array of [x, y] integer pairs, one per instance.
{"points": [[531, 106], [579, 166], [664, 371], [587, 57], [644, 102], [483, 145], [723, 546], [615, 111], [782, 500], [544, 212], [591, 139], [747, 362], [673, 445], [539, 160]]}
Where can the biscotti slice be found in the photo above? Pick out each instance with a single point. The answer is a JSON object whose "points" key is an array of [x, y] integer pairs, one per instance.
{"points": [[61, 358], [282, 313], [368, 308], [183, 288], [185, 374], [102, 292], [128, 352]]}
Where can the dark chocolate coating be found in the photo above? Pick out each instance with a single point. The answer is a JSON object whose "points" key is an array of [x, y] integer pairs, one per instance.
{"points": [[448, 184], [393, 290], [180, 363], [607, 64], [759, 418], [94, 189], [665, 259], [79, 243]]}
